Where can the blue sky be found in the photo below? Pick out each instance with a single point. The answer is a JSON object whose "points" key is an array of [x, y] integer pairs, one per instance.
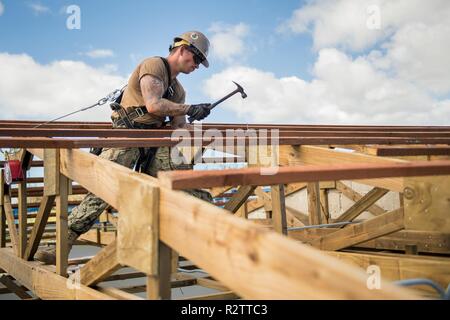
{"points": [[301, 61]]}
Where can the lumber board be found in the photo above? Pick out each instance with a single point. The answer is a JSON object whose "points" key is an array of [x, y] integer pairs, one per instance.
{"points": [[8, 282], [44, 283], [279, 209], [353, 234], [362, 205], [355, 197], [253, 263], [311, 155], [12, 230], [102, 265], [62, 227], [185, 179], [22, 215], [239, 198], [396, 267], [427, 205], [39, 226]]}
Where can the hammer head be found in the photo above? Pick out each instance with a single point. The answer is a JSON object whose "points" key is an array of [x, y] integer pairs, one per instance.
{"points": [[241, 90]]}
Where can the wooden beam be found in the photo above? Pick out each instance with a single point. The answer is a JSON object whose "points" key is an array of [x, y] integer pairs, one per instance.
{"points": [[353, 234], [22, 214], [239, 198], [427, 205], [8, 282], [396, 267], [215, 241], [118, 294], [228, 295], [314, 203], [138, 233], [159, 286], [186, 179], [44, 283], [39, 226], [310, 155], [12, 230], [51, 172], [62, 229], [355, 197], [362, 205], [278, 209], [100, 266]]}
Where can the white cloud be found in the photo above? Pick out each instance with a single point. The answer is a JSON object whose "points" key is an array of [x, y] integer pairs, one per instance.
{"points": [[344, 23], [99, 53], [227, 42], [402, 79], [39, 8], [2, 8], [343, 91], [29, 90]]}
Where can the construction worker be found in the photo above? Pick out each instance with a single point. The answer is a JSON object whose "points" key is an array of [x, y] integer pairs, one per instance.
{"points": [[152, 94]]}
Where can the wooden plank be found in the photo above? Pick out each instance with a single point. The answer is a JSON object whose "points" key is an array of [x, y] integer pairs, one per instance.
{"points": [[310, 155], [291, 188], [364, 231], [118, 294], [314, 203], [362, 205], [14, 288], [355, 196], [228, 295], [137, 237], [62, 228], [12, 230], [51, 172], [22, 215], [159, 286], [278, 209], [39, 226], [100, 266], [324, 208], [239, 198], [185, 179], [426, 202], [234, 251], [396, 267], [211, 284], [44, 283]]}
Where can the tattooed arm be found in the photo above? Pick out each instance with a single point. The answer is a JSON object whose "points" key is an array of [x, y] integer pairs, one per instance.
{"points": [[152, 91]]}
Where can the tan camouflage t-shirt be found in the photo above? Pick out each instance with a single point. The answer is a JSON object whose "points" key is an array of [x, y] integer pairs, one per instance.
{"points": [[132, 96]]}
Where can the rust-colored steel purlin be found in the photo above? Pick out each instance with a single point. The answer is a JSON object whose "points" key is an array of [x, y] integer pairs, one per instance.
{"points": [[35, 142], [167, 133]]}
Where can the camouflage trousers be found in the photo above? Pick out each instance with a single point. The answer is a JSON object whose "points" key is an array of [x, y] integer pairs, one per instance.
{"points": [[84, 216]]}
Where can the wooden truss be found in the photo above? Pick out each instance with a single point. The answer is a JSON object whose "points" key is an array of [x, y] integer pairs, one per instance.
{"points": [[285, 255]]}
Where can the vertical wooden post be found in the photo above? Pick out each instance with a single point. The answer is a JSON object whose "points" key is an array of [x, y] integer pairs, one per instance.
{"points": [[62, 230], [279, 209], [158, 287], [22, 213], [2, 212], [55, 184], [325, 213], [314, 203], [174, 262]]}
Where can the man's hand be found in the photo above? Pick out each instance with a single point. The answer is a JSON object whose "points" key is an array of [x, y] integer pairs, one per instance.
{"points": [[198, 111]]}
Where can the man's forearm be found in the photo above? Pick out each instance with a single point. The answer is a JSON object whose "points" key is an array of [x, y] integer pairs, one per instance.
{"points": [[164, 107]]}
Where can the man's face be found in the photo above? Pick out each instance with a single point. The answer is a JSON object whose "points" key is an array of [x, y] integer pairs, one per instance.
{"points": [[188, 61]]}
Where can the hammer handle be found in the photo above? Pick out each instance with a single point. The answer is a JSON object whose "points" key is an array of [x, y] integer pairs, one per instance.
{"points": [[223, 99]]}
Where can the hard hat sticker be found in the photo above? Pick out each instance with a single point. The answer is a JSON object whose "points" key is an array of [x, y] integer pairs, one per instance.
{"points": [[194, 36]]}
